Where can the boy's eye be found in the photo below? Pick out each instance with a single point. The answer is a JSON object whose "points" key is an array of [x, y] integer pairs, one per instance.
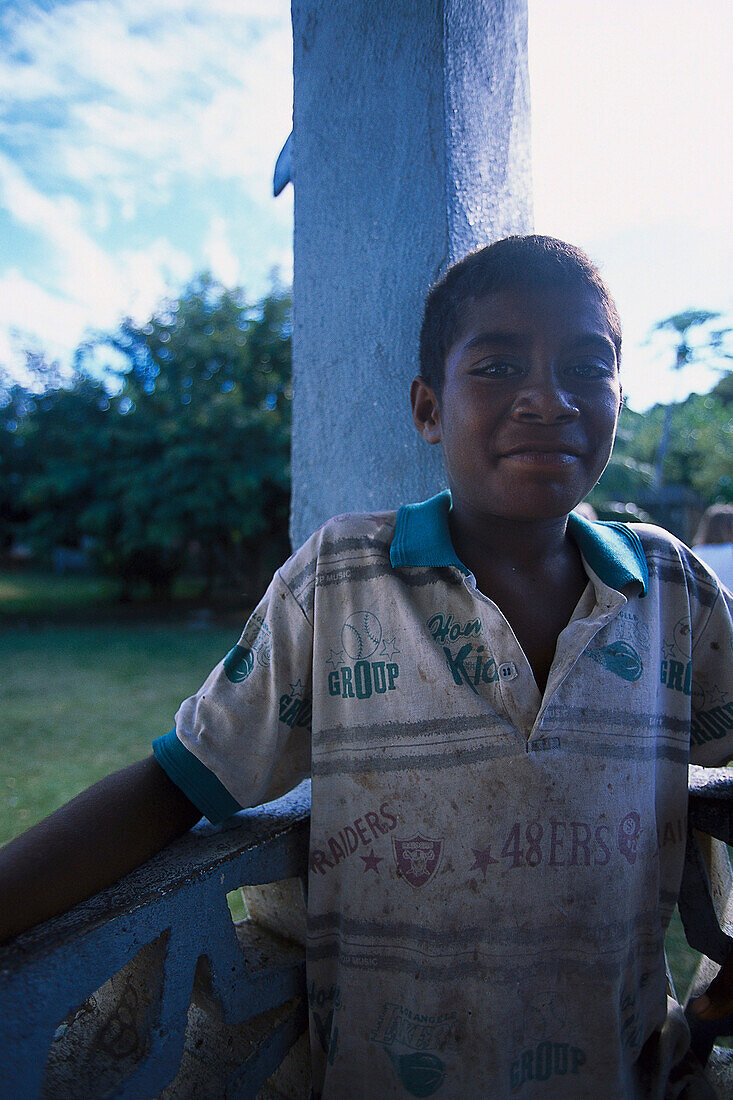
{"points": [[591, 369], [495, 368]]}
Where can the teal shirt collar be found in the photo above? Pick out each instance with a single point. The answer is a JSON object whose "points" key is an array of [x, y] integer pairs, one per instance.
{"points": [[612, 550]]}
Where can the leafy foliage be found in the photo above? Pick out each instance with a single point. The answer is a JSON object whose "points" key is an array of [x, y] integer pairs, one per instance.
{"points": [[687, 351], [697, 463], [189, 458], [674, 460], [694, 341], [700, 450]]}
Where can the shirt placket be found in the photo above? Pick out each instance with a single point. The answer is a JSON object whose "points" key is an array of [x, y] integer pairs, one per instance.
{"points": [[517, 693], [575, 639], [521, 699]]}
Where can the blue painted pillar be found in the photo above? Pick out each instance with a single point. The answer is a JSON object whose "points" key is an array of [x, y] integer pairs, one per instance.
{"points": [[411, 147]]}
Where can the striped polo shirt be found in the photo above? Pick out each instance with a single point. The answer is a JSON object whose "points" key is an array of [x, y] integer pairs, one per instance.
{"points": [[492, 869]]}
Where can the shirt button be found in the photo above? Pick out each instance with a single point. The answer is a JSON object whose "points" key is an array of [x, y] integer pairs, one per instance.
{"points": [[508, 671]]}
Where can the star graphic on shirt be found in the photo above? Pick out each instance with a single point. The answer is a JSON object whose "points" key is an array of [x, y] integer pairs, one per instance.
{"points": [[669, 650], [389, 648], [370, 862], [483, 858], [335, 658], [296, 688], [717, 697]]}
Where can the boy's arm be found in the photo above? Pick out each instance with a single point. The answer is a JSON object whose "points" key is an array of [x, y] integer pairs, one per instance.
{"points": [[717, 1000], [101, 835]]}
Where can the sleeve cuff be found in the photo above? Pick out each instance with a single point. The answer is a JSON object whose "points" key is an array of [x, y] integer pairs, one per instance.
{"points": [[199, 784]]}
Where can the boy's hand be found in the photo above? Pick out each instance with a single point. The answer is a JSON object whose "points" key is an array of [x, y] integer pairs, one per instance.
{"points": [[717, 1001]]}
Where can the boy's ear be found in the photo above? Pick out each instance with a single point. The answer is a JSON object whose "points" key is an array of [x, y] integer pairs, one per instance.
{"points": [[425, 410]]}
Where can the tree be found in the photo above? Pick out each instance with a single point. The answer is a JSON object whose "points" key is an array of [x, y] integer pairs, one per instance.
{"points": [[190, 455], [699, 451], [199, 438], [628, 476], [686, 352], [48, 434], [698, 463], [12, 409]]}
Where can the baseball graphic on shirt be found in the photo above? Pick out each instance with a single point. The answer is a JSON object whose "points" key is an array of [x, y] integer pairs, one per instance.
{"points": [[238, 664], [682, 636], [361, 634], [628, 836]]}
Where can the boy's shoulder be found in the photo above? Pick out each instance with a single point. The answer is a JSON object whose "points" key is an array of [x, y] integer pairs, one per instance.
{"points": [[353, 531], [366, 524], [356, 545], [340, 544], [653, 536], [657, 541], [674, 561]]}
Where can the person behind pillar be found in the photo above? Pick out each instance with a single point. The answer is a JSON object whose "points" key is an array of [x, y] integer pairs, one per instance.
{"points": [[496, 700]]}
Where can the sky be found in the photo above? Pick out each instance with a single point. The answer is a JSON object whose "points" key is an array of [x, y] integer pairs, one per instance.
{"points": [[138, 140]]}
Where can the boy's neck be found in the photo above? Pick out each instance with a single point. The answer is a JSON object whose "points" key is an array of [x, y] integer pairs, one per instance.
{"points": [[509, 545], [532, 571]]}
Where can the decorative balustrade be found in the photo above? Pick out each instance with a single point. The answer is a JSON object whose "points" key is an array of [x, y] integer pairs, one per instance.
{"points": [[150, 990]]}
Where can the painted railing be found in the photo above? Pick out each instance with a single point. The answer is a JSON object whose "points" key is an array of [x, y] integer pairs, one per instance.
{"points": [[706, 907], [151, 990]]}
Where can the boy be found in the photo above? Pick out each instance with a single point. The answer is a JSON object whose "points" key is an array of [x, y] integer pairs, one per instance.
{"points": [[495, 701]]}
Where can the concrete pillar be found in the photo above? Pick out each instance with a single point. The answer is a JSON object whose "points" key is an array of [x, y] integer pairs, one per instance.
{"points": [[410, 148]]}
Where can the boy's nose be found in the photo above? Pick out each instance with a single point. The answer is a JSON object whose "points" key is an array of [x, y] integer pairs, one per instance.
{"points": [[545, 404]]}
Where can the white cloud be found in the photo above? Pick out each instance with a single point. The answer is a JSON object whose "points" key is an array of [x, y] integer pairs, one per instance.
{"points": [[280, 263], [57, 323], [154, 90], [85, 274], [145, 276], [117, 105], [89, 283], [244, 125], [632, 157], [219, 255], [31, 316], [82, 269], [108, 109]]}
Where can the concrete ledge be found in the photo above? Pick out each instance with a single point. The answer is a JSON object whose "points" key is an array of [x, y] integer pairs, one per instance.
{"points": [[116, 991]]}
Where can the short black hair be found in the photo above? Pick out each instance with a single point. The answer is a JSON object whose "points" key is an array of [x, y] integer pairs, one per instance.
{"points": [[533, 262]]}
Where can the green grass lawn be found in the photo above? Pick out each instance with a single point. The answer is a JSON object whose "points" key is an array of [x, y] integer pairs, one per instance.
{"points": [[680, 956], [79, 700], [29, 593]]}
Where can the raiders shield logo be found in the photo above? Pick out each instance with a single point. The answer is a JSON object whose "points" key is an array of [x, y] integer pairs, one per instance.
{"points": [[417, 859]]}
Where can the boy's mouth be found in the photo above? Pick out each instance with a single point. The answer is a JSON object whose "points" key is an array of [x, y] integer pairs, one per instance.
{"points": [[542, 458], [550, 452]]}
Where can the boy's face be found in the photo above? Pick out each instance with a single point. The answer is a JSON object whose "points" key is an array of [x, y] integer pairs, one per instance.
{"points": [[530, 400]]}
